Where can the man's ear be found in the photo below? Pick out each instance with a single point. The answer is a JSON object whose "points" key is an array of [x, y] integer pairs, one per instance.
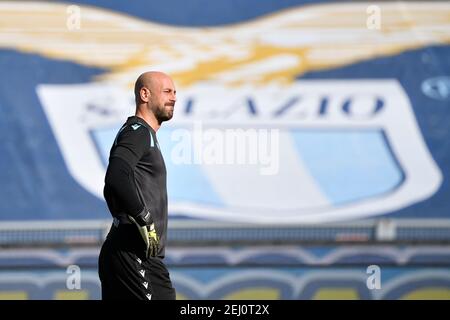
{"points": [[144, 94]]}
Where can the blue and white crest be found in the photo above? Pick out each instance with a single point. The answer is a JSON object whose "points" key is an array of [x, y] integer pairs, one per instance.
{"points": [[338, 149], [346, 149]]}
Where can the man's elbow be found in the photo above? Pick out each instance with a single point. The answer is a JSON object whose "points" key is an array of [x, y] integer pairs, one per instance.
{"points": [[117, 174]]}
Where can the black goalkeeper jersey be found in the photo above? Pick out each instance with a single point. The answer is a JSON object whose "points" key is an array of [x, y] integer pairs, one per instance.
{"points": [[136, 176]]}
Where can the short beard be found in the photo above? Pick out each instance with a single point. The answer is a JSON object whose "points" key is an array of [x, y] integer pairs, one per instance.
{"points": [[162, 115]]}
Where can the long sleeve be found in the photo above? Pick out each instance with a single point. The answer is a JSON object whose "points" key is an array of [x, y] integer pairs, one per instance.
{"points": [[120, 189]]}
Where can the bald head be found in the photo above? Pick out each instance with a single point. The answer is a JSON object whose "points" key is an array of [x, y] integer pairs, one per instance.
{"points": [[155, 96], [150, 80]]}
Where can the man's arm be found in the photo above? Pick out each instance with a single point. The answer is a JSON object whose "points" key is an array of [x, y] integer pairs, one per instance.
{"points": [[119, 179]]}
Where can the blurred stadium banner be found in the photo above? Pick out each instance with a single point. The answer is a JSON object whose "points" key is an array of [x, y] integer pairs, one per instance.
{"points": [[267, 272], [315, 123]]}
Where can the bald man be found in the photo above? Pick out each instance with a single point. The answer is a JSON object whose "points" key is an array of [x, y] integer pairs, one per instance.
{"points": [[131, 258]]}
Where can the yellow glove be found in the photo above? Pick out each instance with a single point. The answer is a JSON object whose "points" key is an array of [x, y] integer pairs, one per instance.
{"points": [[149, 236], [153, 240]]}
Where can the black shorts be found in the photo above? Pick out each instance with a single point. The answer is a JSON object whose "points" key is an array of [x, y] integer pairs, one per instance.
{"points": [[125, 273]]}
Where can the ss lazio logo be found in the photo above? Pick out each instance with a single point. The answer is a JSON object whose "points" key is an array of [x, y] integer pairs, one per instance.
{"points": [[343, 149]]}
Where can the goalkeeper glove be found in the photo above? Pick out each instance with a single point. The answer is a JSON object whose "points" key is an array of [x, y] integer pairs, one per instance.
{"points": [[146, 227], [153, 240], [144, 218]]}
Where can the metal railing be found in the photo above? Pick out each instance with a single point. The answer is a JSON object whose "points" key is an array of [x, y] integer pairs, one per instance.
{"points": [[188, 232]]}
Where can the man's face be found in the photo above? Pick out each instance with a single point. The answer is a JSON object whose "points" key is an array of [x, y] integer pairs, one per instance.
{"points": [[163, 98]]}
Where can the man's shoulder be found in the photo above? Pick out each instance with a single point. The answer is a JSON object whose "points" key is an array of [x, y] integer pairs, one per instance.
{"points": [[136, 122], [133, 130]]}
